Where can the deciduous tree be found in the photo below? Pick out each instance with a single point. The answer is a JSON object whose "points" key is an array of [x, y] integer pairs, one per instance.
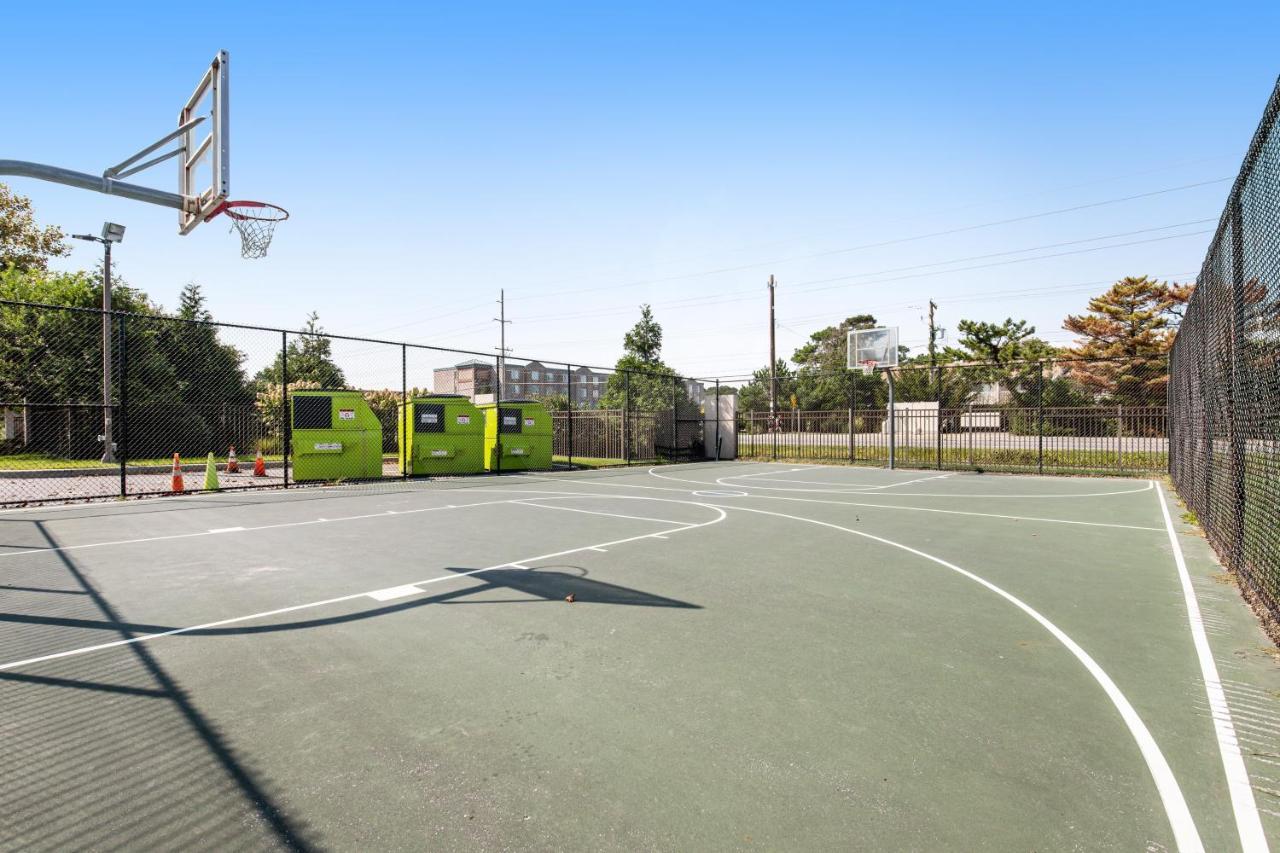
{"points": [[24, 245]]}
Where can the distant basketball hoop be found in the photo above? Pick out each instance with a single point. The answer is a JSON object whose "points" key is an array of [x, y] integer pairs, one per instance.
{"points": [[868, 366]]}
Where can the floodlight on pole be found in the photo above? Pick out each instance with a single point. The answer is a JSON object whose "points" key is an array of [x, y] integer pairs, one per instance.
{"points": [[111, 233]]}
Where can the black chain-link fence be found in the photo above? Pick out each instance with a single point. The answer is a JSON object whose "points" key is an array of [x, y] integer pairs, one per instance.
{"points": [[1103, 416], [1224, 397], [188, 405]]}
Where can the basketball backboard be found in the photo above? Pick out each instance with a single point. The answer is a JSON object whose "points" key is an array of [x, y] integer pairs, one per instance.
{"points": [[873, 348], [204, 161], [203, 152]]}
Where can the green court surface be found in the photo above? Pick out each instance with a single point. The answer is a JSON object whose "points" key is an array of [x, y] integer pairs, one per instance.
{"points": [[763, 656]]}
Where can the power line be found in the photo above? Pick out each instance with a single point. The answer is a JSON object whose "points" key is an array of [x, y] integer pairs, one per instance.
{"points": [[920, 214], [884, 243], [707, 301]]}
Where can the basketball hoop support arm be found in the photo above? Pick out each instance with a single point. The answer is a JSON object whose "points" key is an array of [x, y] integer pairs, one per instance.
{"points": [[85, 181]]}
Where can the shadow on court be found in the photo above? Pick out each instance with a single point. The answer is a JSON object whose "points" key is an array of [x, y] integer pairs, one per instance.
{"points": [[111, 747], [108, 746]]}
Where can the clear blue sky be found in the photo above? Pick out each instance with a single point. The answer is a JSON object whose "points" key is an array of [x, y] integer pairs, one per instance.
{"points": [[589, 158]]}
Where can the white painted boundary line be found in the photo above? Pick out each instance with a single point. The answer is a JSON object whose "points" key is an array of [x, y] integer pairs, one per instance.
{"points": [[909, 482], [898, 507], [531, 502], [653, 473], [280, 526], [1248, 823], [661, 534], [1175, 805], [901, 508]]}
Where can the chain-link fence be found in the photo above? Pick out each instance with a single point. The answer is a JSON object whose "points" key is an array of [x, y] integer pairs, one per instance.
{"points": [[1224, 398], [182, 405], [1061, 416]]}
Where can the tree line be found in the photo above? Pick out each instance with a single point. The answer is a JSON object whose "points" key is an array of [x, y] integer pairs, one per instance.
{"points": [[188, 390], [1120, 358]]}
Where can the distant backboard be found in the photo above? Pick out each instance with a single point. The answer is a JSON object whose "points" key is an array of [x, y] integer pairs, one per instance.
{"points": [[204, 161], [873, 348]]}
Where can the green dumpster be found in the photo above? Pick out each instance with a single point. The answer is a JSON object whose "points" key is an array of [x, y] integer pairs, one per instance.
{"points": [[525, 431], [336, 436], [446, 436]]}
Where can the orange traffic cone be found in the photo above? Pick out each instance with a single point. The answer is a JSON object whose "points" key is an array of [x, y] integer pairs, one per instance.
{"points": [[259, 466], [233, 465], [177, 486]]}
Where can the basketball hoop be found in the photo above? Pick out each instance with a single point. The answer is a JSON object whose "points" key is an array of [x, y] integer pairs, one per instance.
{"points": [[256, 221], [869, 366]]}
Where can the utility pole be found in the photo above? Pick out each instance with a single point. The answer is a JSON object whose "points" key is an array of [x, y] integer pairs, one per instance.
{"points": [[933, 336], [773, 362], [502, 322]]}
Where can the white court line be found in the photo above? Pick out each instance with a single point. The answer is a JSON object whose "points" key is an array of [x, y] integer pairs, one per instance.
{"points": [[393, 592], [900, 507], [529, 502], [909, 482], [1175, 805], [653, 473], [1252, 837], [280, 526], [344, 598], [771, 471]]}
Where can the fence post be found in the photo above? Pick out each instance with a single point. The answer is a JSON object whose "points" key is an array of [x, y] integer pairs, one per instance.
{"points": [[1119, 436], [717, 420], [286, 431], [626, 417], [893, 420], [405, 462], [674, 423], [970, 435], [774, 423], [853, 399], [1239, 398], [568, 389], [1040, 418], [497, 412], [937, 425], [122, 446]]}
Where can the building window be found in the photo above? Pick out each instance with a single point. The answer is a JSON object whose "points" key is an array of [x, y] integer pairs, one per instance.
{"points": [[533, 374], [515, 375], [515, 389]]}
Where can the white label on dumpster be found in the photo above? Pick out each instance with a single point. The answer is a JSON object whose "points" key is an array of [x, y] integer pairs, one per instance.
{"points": [[439, 453], [346, 414], [528, 421], [517, 451], [335, 445], [430, 418], [507, 420], [464, 419]]}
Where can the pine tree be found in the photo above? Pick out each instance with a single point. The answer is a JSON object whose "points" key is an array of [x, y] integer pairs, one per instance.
{"points": [[1126, 336]]}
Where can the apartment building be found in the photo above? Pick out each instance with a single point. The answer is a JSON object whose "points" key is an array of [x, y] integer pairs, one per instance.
{"points": [[470, 378], [474, 378]]}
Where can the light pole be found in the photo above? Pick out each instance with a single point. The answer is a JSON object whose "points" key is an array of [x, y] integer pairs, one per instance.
{"points": [[111, 233]]}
